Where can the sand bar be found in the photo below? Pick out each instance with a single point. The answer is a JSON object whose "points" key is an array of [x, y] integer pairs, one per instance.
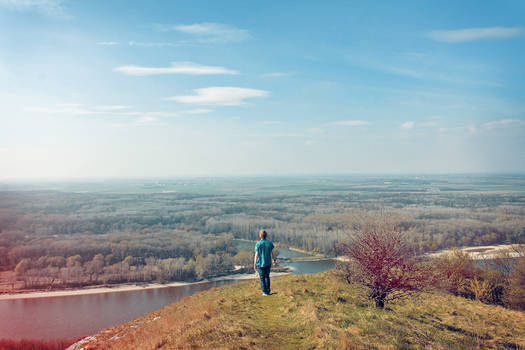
{"points": [[128, 287]]}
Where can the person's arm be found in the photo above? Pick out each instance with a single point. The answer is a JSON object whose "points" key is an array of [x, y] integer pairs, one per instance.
{"points": [[274, 257], [255, 261]]}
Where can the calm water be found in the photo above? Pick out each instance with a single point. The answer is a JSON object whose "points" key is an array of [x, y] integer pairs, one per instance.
{"points": [[283, 252], [81, 315]]}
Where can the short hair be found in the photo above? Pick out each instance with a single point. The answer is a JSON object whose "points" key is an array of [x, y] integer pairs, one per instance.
{"points": [[262, 234]]}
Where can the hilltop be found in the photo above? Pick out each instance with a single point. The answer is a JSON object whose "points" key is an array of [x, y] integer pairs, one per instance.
{"points": [[316, 312]]}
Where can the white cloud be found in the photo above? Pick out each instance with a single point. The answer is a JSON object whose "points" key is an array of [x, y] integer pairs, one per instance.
{"points": [[269, 122], [220, 96], [277, 74], [111, 108], [107, 43], [197, 111], [51, 8], [470, 34], [153, 44], [426, 124], [73, 109], [407, 125], [472, 128], [436, 69], [147, 121], [503, 123], [70, 109], [175, 68], [311, 142], [285, 135], [211, 32], [350, 123]]}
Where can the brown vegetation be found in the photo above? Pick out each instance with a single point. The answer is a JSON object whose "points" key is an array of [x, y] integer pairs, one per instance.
{"points": [[381, 259], [515, 293], [316, 312], [499, 281]]}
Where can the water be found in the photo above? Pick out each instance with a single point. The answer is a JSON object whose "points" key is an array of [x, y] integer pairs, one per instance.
{"points": [[283, 252], [298, 267], [69, 317], [306, 267]]}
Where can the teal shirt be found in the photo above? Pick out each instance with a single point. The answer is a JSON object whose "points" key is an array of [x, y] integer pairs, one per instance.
{"points": [[264, 248]]}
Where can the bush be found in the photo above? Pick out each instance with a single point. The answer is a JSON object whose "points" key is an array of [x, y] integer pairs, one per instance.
{"points": [[457, 273], [515, 293], [454, 271], [381, 259]]}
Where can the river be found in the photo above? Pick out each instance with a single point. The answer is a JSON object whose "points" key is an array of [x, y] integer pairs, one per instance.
{"points": [[74, 316]]}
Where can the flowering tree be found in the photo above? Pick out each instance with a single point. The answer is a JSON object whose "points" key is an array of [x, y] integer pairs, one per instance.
{"points": [[381, 259]]}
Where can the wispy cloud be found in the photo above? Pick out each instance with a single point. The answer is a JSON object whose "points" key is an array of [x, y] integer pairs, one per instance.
{"points": [[107, 43], [277, 74], [197, 111], [471, 34], [147, 121], [153, 44], [473, 129], [220, 96], [422, 66], [175, 68], [51, 8], [269, 122], [426, 124], [350, 123], [111, 108], [409, 125], [209, 32], [70, 109], [285, 135], [311, 142], [502, 123]]}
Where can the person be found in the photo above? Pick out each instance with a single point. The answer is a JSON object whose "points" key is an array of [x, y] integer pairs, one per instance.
{"points": [[263, 261]]}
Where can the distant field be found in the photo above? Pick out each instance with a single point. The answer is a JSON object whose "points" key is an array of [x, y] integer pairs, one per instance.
{"points": [[295, 185], [141, 230]]}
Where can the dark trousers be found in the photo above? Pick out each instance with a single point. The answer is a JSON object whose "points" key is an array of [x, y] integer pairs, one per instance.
{"points": [[264, 275]]}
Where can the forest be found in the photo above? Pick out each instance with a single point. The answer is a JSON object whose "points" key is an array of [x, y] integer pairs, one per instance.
{"points": [[76, 234]]}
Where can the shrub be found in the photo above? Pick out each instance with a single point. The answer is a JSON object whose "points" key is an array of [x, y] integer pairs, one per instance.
{"points": [[457, 273], [381, 259], [454, 271], [515, 293]]}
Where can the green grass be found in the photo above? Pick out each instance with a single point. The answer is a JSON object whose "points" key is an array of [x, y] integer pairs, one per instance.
{"points": [[317, 312]]}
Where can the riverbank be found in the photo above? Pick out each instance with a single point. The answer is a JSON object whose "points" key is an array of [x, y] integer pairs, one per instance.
{"points": [[128, 287], [488, 252], [277, 245]]}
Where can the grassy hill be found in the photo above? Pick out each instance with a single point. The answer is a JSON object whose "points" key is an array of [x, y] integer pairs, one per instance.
{"points": [[316, 312]]}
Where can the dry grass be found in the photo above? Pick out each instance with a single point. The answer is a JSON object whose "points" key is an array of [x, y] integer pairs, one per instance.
{"points": [[317, 312]]}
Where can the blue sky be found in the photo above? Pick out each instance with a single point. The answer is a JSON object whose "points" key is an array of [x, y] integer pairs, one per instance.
{"points": [[184, 88]]}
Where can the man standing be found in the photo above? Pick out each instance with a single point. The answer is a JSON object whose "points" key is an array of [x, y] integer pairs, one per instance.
{"points": [[263, 261]]}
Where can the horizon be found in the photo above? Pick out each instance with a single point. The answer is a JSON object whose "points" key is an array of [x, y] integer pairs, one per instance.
{"points": [[255, 176], [136, 90]]}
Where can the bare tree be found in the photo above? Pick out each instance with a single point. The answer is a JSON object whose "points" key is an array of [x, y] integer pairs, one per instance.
{"points": [[381, 259]]}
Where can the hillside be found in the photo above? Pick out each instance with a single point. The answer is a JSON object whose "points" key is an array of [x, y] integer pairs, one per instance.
{"points": [[316, 312]]}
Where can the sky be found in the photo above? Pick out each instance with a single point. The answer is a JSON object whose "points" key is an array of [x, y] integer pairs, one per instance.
{"points": [[120, 88]]}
